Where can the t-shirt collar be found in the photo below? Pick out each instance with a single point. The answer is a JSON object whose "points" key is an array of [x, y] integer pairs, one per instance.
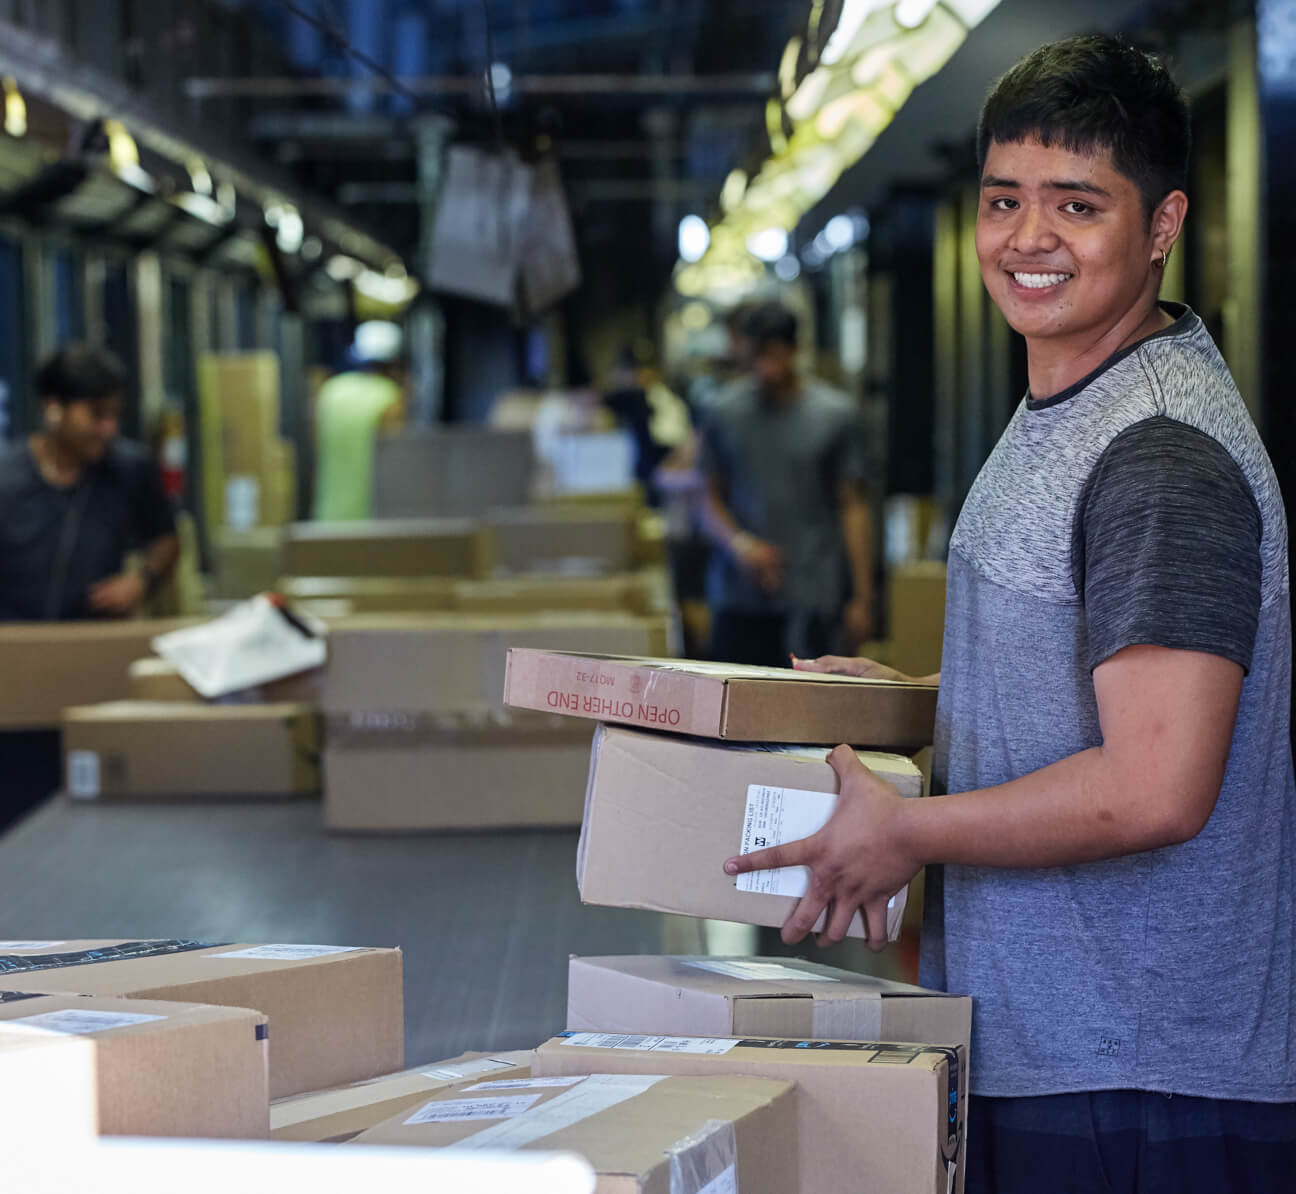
{"points": [[1184, 321]]}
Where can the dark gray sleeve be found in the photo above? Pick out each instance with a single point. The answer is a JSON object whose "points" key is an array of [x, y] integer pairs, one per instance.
{"points": [[1166, 546]]}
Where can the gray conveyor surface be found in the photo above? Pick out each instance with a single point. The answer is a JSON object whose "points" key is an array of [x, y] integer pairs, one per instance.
{"points": [[486, 920]]}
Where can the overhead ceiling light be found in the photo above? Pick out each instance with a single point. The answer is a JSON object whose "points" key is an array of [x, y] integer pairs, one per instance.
{"points": [[732, 192], [342, 268], [909, 14], [312, 248], [805, 103], [199, 176], [774, 127], [382, 289], [15, 109], [787, 71], [694, 238], [695, 317], [853, 15], [787, 269], [769, 244], [501, 81], [971, 12], [840, 232]]}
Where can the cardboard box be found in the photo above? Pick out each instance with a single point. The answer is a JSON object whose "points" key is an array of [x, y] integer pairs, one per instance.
{"points": [[730, 701], [630, 592], [336, 1012], [766, 997], [155, 679], [244, 387], [279, 487], [452, 472], [648, 1134], [375, 594], [880, 1117], [663, 813], [162, 748], [48, 1087], [398, 547], [448, 663], [332, 1116], [581, 541], [60, 664], [164, 1069], [421, 777], [916, 616], [247, 562]]}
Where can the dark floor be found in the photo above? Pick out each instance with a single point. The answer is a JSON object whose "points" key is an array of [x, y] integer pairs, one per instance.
{"points": [[486, 921]]}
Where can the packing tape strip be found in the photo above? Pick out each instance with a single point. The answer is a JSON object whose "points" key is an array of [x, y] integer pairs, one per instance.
{"points": [[707, 1161]]}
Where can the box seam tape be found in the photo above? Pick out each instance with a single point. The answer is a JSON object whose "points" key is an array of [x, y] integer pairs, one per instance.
{"points": [[705, 1162]]}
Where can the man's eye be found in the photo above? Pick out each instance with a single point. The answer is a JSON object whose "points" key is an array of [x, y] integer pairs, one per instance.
{"points": [[1003, 203], [1076, 208]]}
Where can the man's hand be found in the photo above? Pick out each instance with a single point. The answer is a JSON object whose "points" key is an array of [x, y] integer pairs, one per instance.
{"points": [[118, 595], [846, 665], [857, 620], [762, 561], [857, 861]]}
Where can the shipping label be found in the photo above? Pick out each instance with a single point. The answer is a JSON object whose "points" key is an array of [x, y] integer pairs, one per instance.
{"points": [[523, 1084], [649, 1044], [289, 953], [84, 1022], [449, 1111], [466, 1069]]}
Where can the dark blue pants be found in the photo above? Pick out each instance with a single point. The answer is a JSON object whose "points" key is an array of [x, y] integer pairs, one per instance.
{"points": [[1130, 1142]]}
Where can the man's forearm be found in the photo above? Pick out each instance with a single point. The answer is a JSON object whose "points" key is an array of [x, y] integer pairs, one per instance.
{"points": [[857, 531], [1080, 809], [160, 557], [718, 523]]}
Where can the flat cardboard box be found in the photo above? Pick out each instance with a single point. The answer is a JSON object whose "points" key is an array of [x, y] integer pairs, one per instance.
{"points": [[49, 1093], [435, 779], [728, 701], [581, 541], [375, 594], [332, 1116], [164, 1069], [766, 997], [452, 471], [247, 562], [397, 547], [336, 1013], [633, 1133], [53, 665], [147, 749], [663, 813], [450, 663], [631, 592], [156, 679], [882, 1117]]}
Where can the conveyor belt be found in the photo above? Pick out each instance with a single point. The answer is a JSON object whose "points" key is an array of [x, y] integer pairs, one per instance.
{"points": [[486, 921]]}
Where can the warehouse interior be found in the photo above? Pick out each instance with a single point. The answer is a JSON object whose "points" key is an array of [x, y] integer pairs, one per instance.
{"points": [[421, 308]]}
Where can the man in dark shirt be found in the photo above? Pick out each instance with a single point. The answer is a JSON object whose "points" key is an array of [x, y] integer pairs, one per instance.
{"points": [[75, 499]]}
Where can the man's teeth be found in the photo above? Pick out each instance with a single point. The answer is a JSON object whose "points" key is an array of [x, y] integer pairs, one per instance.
{"points": [[1040, 281]]}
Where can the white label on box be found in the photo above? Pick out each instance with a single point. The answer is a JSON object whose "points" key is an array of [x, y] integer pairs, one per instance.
{"points": [[775, 816], [83, 774], [651, 1044], [77, 1022], [523, 1084], [289, 953], [242, 503], [466, 1069], [769, 972], [726, 1183], [453, 1111], [15, 946], [595, 1094]]}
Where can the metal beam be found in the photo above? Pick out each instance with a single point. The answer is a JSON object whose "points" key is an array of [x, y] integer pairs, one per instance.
{"points": [[290, 87]]}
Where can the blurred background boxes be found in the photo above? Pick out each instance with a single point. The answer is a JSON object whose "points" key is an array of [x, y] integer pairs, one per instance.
{"points": [[247, 562], [452, 471], [397, 547], [916, 605]]}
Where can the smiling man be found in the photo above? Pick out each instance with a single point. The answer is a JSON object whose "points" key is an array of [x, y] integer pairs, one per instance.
{"points": [[1111, 849]]}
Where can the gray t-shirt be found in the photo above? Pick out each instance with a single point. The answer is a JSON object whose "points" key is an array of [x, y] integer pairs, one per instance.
{"points": [[1139, 506], [781, 468]]}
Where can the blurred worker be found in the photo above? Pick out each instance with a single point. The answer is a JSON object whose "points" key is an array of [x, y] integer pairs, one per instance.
{"points": [[350, 411], [75, 499], [785, 506], [1111, 851]]}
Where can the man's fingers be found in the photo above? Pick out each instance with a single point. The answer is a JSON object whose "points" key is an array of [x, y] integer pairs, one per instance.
{"points": [[839, 923], [846, 763], [789, 854], [804, 918], [875, 921]]}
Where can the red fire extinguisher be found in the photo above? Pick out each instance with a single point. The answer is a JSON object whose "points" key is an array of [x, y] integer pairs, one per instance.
{"points": [[173, 453]]}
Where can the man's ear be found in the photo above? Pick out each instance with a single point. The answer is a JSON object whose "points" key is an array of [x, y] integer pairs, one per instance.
{"points": [[1168, 222]]}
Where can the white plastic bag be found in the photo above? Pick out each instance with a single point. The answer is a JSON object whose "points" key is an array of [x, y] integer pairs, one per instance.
{"points": [[256, 642]]}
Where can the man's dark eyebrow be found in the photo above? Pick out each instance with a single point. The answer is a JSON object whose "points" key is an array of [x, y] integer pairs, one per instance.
{"points": [[991, 180], [1088, 188]]}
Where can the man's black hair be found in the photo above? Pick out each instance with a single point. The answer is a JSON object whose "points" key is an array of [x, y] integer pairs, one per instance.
{"points": [[1094, 93], [772, 323], [81, 373]]}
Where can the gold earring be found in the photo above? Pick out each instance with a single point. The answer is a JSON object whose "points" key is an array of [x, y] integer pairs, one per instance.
{"points": [[1165, 257]]}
